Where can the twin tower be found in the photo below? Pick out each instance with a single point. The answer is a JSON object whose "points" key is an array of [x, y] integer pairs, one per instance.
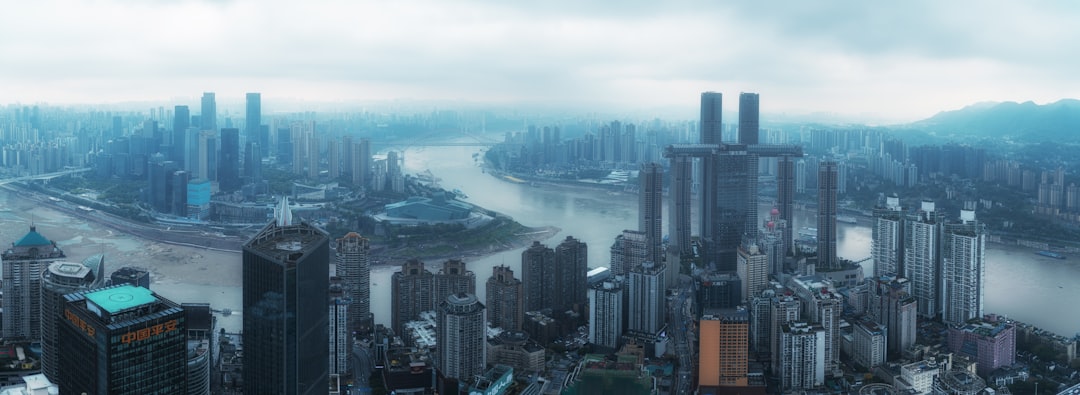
{"points": [[729, 179]]}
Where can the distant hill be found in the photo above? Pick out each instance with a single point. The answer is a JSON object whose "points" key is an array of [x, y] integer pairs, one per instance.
{"points": [[1027, 121]]}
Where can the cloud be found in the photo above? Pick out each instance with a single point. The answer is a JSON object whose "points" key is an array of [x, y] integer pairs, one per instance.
{"points": [[900, 60]]}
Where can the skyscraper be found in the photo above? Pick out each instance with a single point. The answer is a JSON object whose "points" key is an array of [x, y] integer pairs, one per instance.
{"points": [[748, 118], [606, 309], [504, 299], [59, 279], [786, 308], [922, 262], [802, 356], [682, 169], [22, 267], [181, 123], [229, 160], [341, 339], [286, 271], [753, 269], [253, 117], [724, 349], [826, 218], [460, 337], [355, 272], [785, 191], [571, 275], [453, 278], [410, 294], [650, 209], [122, 340], [821, 305], [208, 117], [629, 251], [647, 312], [711, 128], [887, 245], [963, 269], [892, 305], [538, 277]]}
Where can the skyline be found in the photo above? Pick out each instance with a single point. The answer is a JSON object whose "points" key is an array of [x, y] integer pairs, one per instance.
{"points": [[876, 63]]}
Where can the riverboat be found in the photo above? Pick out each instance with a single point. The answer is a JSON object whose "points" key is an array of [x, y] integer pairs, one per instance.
{"points": [[1050, 254]]}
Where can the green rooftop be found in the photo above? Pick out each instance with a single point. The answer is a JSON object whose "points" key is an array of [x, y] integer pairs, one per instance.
{"points": [[117, 299], [33, 239]]}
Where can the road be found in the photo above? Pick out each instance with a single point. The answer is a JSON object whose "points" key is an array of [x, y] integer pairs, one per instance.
{"points": [[680, 320], [362, 368]]}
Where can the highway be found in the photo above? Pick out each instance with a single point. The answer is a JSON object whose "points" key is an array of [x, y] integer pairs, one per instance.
{"points": [[680, 318]]}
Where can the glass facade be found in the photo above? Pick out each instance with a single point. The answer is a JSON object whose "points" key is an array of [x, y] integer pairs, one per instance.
{"points": [[138, 349]]}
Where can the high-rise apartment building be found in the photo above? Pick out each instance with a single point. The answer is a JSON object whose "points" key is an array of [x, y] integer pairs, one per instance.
{"points": [[892, 305], [753, 269], [505, 301], [606, 316], [340, 343], [629, 251], [922, 257], [723, 352], [410, 294], [826, 217], [181, 123], [122, 340], [354, 269], [22, 267], [460, 337], [785, 309], [208, 117], [59, 279], [453, 278], [646, 285], [868, 343], [538, 277], [650, 209], [802, 356], [821, 305], [286, 272], [887, 248], [963, 269], [571, 275], [785, 197]]}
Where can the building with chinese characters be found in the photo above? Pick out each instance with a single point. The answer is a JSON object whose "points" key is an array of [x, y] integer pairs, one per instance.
{"points": [[122, 340]]}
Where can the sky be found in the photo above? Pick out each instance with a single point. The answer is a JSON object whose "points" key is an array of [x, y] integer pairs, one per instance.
{"points": [[882, 61]]}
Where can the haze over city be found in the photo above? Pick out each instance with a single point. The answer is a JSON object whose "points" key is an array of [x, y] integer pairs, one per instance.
{"points": [[878, 63]]}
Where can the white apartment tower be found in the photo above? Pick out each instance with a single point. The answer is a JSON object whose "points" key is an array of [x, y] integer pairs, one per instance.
{"points": [[887, 248], [922, 239], [963, 269]]}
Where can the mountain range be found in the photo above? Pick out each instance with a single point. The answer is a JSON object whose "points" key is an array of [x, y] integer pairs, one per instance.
{"points": [[1027, 121]]}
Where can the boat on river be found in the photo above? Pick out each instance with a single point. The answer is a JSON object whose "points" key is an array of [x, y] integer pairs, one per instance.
{"points": [[1050, 254]]}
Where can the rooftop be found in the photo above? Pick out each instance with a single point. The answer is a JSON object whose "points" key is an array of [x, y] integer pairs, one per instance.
{"points": [[117, 299], [32, 239]]}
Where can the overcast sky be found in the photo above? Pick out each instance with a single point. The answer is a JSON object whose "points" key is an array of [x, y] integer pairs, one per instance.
{"points": [[889, 60]]}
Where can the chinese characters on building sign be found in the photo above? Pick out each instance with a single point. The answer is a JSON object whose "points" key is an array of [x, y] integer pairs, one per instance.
{"points": [[79, 323], [144, 333]]}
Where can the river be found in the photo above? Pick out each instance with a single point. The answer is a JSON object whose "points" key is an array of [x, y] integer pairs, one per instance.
{"points": [[1020, 284]]}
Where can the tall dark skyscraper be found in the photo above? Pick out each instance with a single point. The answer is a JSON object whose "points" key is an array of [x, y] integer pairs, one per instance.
{"points": [[504, 299], [208, 117], [355, 271], [571, 277], [286, 272], [122, 340], [785, 191], [682, 170], [827, 184], [229, 160], [538, 277], [59, 279], [253, 117], [711, 128], [650, 209], [181, 122], [410, 294], [748, 118]]}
